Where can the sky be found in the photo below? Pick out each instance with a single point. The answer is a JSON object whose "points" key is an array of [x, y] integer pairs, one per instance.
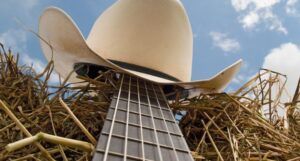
{"points": [[264, 33]]}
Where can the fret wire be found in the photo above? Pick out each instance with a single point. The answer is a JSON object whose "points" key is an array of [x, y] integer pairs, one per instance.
{"points": [[165, 99], [127, 120], [138, 104], [121, 155], [155, 132], [140, 116], [169, 135], [137, 140], [184, 142], [113, 121]]}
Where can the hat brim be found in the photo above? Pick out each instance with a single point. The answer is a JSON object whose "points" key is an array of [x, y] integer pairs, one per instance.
{"points": [[63, 42]]}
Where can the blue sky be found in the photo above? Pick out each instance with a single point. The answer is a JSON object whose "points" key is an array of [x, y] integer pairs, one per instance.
{"points": [[264, 33]]}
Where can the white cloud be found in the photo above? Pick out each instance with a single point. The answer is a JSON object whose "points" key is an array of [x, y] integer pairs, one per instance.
{"points": [[16, 4], [290, 8], [225, 43], [250, 20], [240, 5], [16, 40], [39, 67], [11, 10], [30, 3], [286, 60], [255, 12]]}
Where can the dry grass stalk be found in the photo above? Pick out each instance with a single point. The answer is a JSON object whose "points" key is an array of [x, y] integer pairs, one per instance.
{"points": [[85, 146], [80, 125], [36, 107], [23, 129], [293, 113], [244, 125]]}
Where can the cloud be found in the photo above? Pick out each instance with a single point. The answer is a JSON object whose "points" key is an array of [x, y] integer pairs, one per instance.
{"points": [[15, 9], [250, 20], [16, 40], [291, 9], [39, 67], [222, 41], [255, 12], [24, 5], [30, 3], [286, 60]]}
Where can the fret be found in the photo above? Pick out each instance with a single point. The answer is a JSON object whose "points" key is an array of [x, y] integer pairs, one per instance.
{"points": [[140, 118], [164, 127], [127, 121], [109, 146], [140, 126], [153, 123]]}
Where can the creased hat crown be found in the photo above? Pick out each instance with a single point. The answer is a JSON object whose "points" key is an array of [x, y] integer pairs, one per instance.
{"points": [[155, 34]]}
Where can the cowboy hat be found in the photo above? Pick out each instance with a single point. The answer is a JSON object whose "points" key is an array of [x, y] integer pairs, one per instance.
{"points": [[149, 39]]}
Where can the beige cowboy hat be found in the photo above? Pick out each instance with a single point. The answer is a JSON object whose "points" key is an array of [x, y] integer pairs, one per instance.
{"points": [[150, 39]]}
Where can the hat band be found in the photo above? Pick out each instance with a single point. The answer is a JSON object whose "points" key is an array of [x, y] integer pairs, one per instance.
{"points": [[145, 70]]}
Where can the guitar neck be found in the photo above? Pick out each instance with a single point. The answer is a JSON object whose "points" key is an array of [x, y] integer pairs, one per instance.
{"points": [[140, 126]]}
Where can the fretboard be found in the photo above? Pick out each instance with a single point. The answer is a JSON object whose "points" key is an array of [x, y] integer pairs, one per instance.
{"points": [[140, 126]]}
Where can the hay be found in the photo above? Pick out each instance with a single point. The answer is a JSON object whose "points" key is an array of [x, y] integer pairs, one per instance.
{"points": [[43, 122], [245, 125], [37, 108]]}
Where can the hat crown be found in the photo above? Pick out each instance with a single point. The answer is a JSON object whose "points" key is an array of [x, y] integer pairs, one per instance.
{"points": [[154, 34]]}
